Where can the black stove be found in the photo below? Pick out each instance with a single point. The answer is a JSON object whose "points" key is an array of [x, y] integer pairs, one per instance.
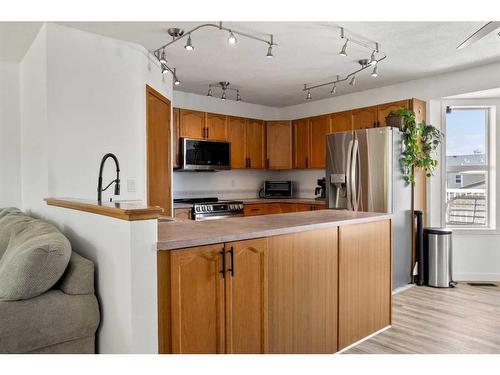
{"points": [[212, 208]]}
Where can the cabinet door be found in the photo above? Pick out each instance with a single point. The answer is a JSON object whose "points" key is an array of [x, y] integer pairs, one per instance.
{"points": [[303, 292], [216, 127], [182, 213], [176, 142], [197, 298], [255, 209], [385, 109], [246, 297], [255, 144], [341, 121], [236, 134], [279, 144], [364, 280], [192, 123], [320, 127], [364, 118], [301, 143]]}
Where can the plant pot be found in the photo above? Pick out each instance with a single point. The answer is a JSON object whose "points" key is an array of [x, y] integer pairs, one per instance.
{"points": [[394, 120]]}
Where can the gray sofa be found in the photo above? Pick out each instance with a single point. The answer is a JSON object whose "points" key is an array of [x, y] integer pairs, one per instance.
{"points": [[47, 300]]}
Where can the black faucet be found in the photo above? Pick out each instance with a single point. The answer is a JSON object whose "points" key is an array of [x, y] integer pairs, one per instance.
{"points": [[116, 181]]}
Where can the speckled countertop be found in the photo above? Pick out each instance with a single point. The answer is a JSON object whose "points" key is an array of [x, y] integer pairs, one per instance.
{"points": [[180, 234], [264, 200]]}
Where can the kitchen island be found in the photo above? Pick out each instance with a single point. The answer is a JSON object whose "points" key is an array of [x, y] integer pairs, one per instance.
{"points": [[307, 282]]}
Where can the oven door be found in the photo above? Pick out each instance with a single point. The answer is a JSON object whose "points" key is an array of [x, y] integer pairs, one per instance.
{"points": [[205, 155], [216, 215]]}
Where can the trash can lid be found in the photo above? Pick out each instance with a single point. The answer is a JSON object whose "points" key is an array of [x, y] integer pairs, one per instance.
{"points": [[437, 230]]}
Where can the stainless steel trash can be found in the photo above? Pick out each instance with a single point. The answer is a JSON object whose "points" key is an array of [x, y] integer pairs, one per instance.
{"points": [[438, 256]]}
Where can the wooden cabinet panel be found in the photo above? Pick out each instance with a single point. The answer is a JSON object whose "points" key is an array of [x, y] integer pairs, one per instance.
{"points": [[182, 213], [303, 292], [364, 280], [246, 297], [176, 142], [159, 152], [385, 109], [341, 121], [192, 123], [216, 126], [255, 144], [236, 135], [320, 127], [364, 118], [279, 144], [197, 300], [301, 143]]}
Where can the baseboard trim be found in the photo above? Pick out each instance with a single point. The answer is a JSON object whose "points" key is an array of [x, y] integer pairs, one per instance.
{"points": [[466, 276], [363, 339], [402, 288]]}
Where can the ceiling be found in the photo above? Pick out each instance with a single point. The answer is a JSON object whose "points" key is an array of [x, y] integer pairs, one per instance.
{"points": [[484, 94], [307, 52]]}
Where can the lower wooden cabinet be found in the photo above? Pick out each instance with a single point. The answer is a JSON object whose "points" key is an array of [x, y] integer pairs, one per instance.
{"points": [[364, 280], [255, 209]]}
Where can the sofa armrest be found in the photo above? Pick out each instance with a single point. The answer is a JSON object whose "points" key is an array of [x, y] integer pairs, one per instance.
{"points": [[78, 277]]}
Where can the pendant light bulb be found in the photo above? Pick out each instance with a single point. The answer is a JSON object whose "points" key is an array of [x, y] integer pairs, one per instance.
{"points": [[232, 39], [353, 81], [189, 45], [373, 59], [163, 59], [270, 52], [209, 93], [164, 69], [176, 80], [308, 97], [343, 51], [375, 71]]}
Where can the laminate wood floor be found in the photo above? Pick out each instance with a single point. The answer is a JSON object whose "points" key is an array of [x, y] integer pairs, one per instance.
{"points": [[425, 320]]}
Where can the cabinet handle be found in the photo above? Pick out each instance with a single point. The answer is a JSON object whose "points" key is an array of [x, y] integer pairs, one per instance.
{"points": [[207, 133], [249, 162], [307, 161], [267, 163], [246, 162], [223, 270], [232, 261]]}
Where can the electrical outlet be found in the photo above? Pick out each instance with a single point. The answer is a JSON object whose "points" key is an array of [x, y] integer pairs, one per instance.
{"points": [[131, 182]]}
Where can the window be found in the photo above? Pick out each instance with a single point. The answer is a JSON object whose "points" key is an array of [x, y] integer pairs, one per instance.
{"points": [[467, 167]]}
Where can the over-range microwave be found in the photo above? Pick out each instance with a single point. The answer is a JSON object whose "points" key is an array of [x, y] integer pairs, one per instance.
{"points": [[205, 155], [278, 189]]}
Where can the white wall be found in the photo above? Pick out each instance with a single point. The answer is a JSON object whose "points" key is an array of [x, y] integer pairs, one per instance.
{"points": [[84, 95], [10, 137]]}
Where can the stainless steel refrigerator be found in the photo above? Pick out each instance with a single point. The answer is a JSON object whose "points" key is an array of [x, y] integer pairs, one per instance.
{"points": [[364, 173]]}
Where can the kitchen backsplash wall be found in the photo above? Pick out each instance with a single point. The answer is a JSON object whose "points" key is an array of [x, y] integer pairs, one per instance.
{"points": [[238, 184]]}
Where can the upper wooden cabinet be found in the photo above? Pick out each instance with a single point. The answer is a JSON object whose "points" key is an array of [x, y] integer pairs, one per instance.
{"points": [[176, 143], [320, 127], [301, 143], [341, 121], [216, 127], [279, 144], [385, 109], [236, 135], [365, 118], [192, 124], [255, 144]]}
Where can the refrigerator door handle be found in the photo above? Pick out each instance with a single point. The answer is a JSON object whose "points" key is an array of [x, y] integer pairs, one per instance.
{"points": [[353, 175], [348, 176]]}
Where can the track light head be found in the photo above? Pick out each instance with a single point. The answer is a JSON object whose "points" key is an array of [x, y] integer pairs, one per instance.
{"points": [[189, 45], [334, 89], [163, 59], [209, 93], [343, 51], [176, 80], [223, 97], [375, 71], [164, 69], [238, 97], [232, 39], [373, 59], [352, 82], [270, 52], [308, 97]]}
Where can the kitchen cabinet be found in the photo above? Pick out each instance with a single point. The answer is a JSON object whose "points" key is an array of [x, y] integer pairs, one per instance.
{"points": [[182, 213], [236, 135], [303, 292], [218, 296], [255, 144], [341, 121], [192, 124], [385, 109], [301, 143], [216, 127], [255, 209], [365, 118], [364, 280], [279, 144], [320, 127]]}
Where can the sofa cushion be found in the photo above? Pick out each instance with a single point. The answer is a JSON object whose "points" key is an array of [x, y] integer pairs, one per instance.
{"points": [[36, 256], [11, 219]]}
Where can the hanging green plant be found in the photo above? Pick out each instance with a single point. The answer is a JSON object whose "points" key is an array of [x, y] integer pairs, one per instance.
{"points": [[419, 143]]}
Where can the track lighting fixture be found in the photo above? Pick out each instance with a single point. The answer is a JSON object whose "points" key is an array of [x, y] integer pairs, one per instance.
{"points": [[189, 45], [164, 69], [375, 71], [270, 52], [224, 87], [343, 51], [163, 59], [209, 93], [238, 97], [308, 97], [231, 39], [223, 96], [352, 82], [373, 59]]}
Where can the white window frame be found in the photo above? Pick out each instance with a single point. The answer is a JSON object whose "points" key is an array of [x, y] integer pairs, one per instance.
{"points": [[491, 175]]}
